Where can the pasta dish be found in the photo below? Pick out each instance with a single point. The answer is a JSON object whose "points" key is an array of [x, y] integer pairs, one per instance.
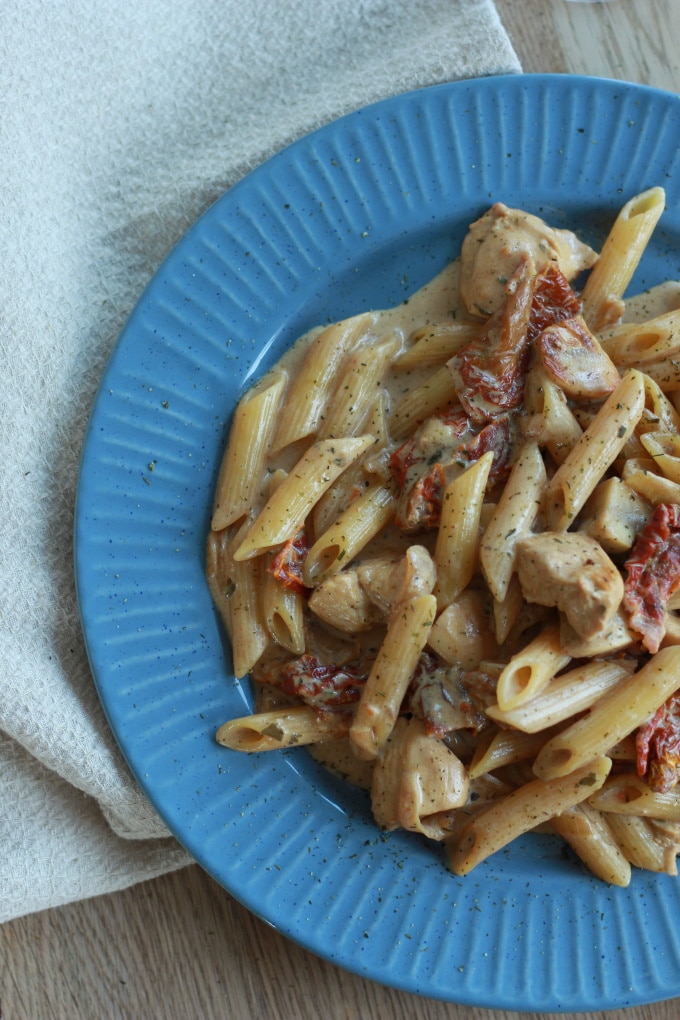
{"points": [[445, 545]]}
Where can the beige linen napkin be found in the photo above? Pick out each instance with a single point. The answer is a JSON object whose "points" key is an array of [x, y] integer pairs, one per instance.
{"points": [[119, 123]]}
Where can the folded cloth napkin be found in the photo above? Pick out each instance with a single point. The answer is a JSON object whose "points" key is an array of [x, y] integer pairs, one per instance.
{"points": [[119, 124]]}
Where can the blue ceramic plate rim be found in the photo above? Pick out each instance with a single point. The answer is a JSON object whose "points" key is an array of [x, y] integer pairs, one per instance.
{"points": [[355, 215]]}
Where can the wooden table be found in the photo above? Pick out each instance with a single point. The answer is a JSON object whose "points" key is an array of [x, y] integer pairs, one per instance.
{"points": [[181, 947]]}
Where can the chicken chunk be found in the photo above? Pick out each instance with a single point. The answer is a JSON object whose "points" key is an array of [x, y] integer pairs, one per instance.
{"points": [[416, 780], [503, 241], [391, 583], [570, 571]]}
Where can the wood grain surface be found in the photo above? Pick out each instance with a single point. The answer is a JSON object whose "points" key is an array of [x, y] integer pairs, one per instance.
{"points": [[181, 947]]}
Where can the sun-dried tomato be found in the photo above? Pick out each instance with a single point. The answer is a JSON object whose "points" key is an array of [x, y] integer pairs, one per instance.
{"points": [[287, 565], [320, 685], [497, 437], [424, 505], [493, 366], [658, 747], [553, 300], [653, 574], [402, 459]]}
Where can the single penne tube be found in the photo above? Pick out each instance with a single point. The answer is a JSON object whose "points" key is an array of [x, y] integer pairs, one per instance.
{"points": [[507, 612], [504, 747], [652, 487], [620, 256], [237, 590], [565, 696], [432, 396], [588, 834], [551, 423], [282, 727], [512, 519], [664, 447], [342, 541], [623, 750], [337, 756], [355, 391], [243, 463], [637, 345], [314, 380], [217, 575], [595, 452], [283, 609], [629, 794], [666, 374], [660, 414], [390, 675], [613, 717], [638, 844], [521, 811], [457, 546], [531, 670], [286, 509], [433, 345]]}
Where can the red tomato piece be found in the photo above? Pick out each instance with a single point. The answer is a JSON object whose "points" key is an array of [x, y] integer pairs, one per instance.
{"points": [[658, 747], [653, 574], [286, 566]]}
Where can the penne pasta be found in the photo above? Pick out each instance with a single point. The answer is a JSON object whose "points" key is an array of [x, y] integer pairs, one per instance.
{"points": [[312, 385], [639, 845], [242, 470], [432, 346], [283, 609], [457, 548], [504, 747], [390, 676], [588, 833], [629, 795], [513, 518], [638, 345], [361, 521], [280, 728], [565, 696], [435, 394], [616, 715], [237, 590], [442, 559], [354, 397], [596, 450], [287, 507], [531, 670], [552, 423], [620, 256], [520, 811]]}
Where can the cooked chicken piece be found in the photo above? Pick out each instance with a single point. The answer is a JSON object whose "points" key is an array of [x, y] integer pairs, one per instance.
{"points": [[570, 571], [614, 515], [502, 241], [415, 780], [341, 602], [616, 636], [574, 359], [389, 583]]}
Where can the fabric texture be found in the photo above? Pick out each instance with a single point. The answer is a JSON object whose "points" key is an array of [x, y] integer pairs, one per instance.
{"points": [[120, 123]]}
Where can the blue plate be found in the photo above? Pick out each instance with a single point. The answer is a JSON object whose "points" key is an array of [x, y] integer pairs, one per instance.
{"points": [[355, 216]]}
